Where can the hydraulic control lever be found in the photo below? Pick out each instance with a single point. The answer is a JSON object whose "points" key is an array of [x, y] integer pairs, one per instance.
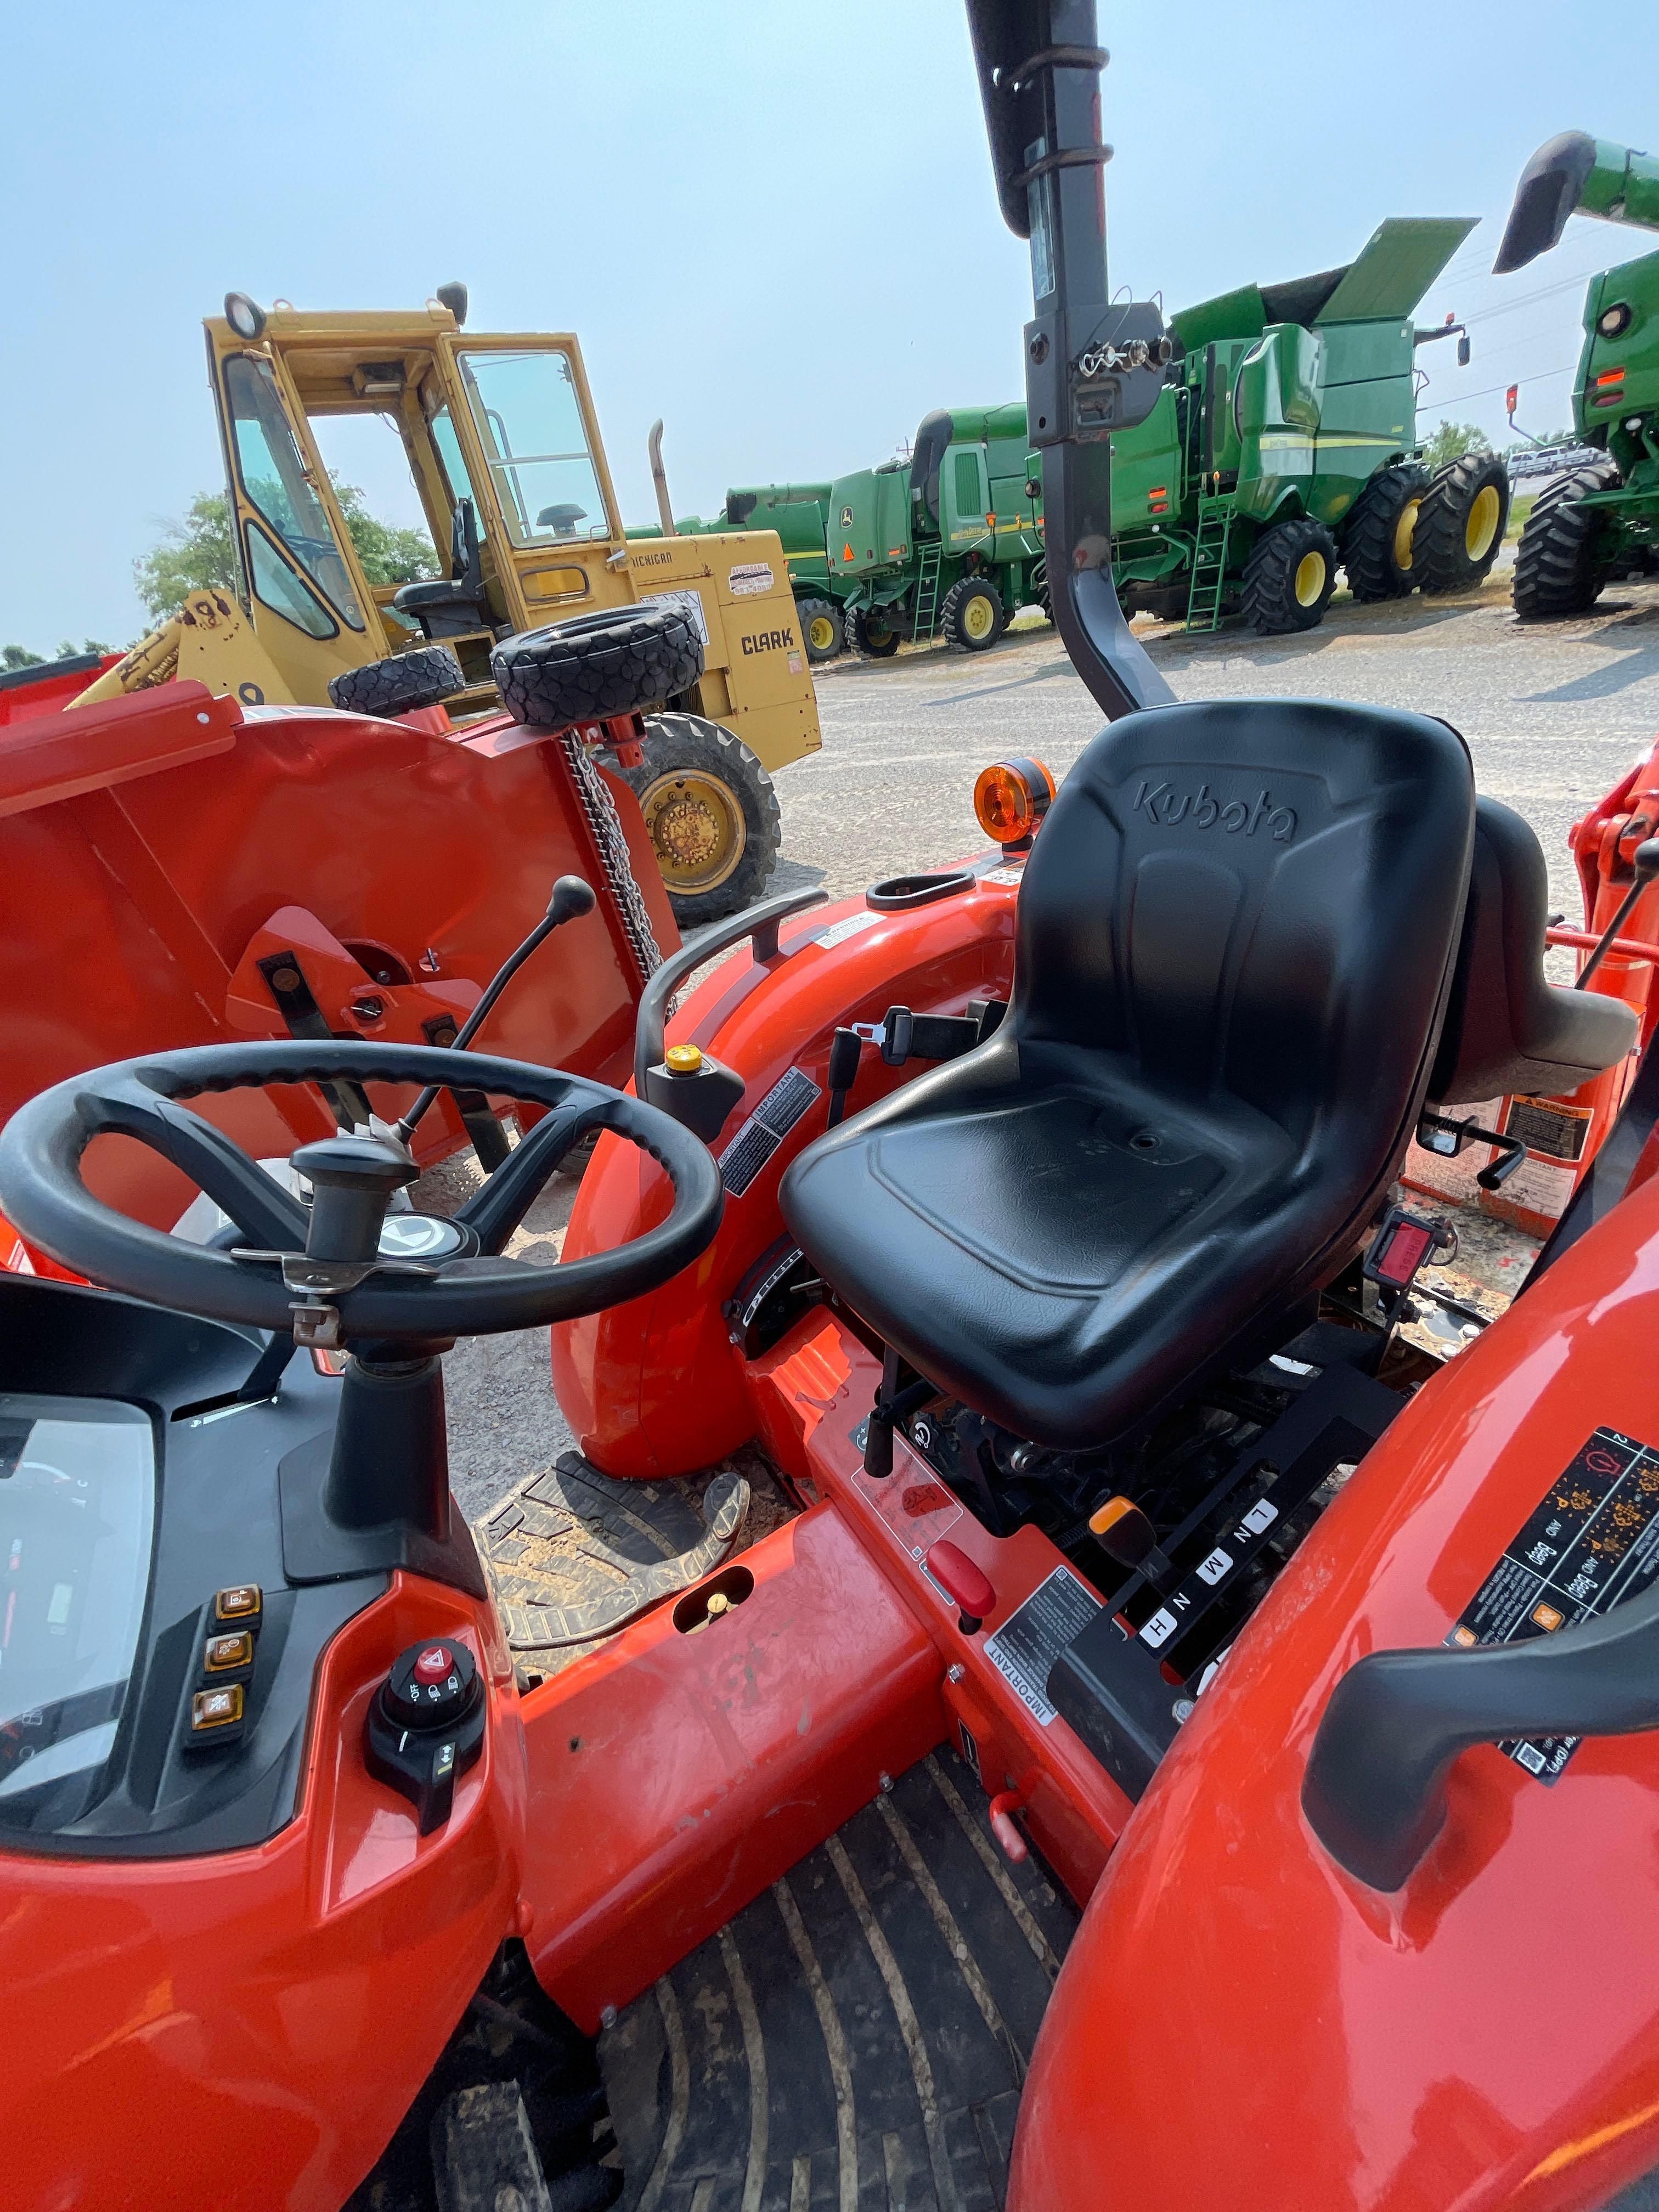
{"points": [[1644, 866], [1439, 1134], [571, 897]]}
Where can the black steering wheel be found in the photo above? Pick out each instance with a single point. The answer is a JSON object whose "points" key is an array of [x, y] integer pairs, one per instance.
{"points": [[342, 1269]]}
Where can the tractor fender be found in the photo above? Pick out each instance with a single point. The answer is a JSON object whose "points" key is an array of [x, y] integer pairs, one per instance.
{"points": [[657, 1387]]}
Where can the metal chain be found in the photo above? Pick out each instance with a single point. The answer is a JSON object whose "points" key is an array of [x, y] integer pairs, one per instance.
{"points": [[600, 809]]}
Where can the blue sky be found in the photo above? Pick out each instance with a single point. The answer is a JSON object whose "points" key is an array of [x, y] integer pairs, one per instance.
{"points": [[771, 224]]}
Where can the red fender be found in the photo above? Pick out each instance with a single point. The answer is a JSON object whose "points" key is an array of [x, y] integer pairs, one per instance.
{"points": [[655, 1387], [1483, 2037]]}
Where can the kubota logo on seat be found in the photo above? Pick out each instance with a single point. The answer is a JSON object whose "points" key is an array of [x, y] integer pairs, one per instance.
{"points": [[1163, 804]]}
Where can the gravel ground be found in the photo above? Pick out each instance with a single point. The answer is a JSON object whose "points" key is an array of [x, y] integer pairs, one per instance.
{"points": [[1553, 715]]}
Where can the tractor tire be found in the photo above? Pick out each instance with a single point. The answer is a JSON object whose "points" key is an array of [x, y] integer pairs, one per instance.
{"points": [[1555, 570], [423, 678], [1376, 545], [596, 665], [973, 616], [1289, 577], [1040, 586], [1460, 524], [820, 628], [712, 813], [870, 637]]}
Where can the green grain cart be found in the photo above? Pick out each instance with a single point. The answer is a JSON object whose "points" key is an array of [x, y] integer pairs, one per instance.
{"points": [[948, 540], [1599, 519]]}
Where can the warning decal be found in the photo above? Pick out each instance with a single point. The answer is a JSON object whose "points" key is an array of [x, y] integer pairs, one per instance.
{"points": [[1593, 1542], [1030, 1641]]}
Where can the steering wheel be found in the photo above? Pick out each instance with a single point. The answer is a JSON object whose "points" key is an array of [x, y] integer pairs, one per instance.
{"points": [[341, 1270]]}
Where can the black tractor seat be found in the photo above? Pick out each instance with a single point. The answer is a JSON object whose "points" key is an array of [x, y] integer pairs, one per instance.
{"points": [[1235, 939], [458, 605]]}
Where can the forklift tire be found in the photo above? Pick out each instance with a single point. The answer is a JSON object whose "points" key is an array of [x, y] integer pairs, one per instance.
{"points": [[973, 616], [596, 665], [820, 628], [870, 637], [423, 678], [1376, 545], [1555, 571], [1460, 524], [712, 813], [1289, 577]]}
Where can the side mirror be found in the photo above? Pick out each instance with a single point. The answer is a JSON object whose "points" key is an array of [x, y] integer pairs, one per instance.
{"points": [[1463, 350]]}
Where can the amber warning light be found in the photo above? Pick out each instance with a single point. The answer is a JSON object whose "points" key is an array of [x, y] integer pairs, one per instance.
{"points": [[1011, 798]]}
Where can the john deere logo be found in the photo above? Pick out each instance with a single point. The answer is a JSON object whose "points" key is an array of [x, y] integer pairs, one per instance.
{"points": [[847, 518], [1163, 804]]}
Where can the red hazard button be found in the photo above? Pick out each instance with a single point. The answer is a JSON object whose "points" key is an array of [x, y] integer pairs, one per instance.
{"points": [[436, 1664]]}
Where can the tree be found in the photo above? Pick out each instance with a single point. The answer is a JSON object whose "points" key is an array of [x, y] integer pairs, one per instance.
{"points": [[68, 650], [198, 553], [1451, 441], [19, 656]]}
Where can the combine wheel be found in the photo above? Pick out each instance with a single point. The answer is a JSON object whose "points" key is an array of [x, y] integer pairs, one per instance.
{"points": [[423, 678], [820, 628], [594, 665], [712, 813], [1377, 545], [1289, 577], [871, 636], [973, 616], [1556, 571], [1460, 524]]}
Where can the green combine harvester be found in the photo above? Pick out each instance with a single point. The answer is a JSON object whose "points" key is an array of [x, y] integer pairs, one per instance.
{"points": [[1282, 447], [1601, 519], [950, 540]]}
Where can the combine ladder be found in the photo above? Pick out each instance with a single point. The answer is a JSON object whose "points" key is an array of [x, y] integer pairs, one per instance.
{"points": [[1215, 520], [928, 592]]}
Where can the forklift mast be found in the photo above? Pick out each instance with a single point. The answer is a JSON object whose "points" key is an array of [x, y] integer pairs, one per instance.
{"points": [[1092, 368]]}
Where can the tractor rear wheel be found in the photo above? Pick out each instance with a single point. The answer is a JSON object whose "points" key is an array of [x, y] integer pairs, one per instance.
{"points": [[1460, 524], [1377, 546], [596, 665], [712, 813], [973, 616], [1289, 577], [1556, 571], [870, 636], [423, 678], [820, 628]]}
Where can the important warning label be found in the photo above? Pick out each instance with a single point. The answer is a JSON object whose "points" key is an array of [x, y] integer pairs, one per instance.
{"points": [[1593, 1542], [1030, 1641]]}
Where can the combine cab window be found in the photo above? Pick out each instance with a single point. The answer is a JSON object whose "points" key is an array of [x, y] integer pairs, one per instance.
{"points": [[273, 478], [529, 419], [77, 1513]]}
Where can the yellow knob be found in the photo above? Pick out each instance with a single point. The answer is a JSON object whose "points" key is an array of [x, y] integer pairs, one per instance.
{"points": [[683, 1059]]}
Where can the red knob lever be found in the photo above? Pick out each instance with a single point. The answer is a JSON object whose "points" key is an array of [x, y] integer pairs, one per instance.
{"points": [[962, 1581]]}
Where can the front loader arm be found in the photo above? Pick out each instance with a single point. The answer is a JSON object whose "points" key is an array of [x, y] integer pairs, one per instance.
{"points": [[209, 640]]}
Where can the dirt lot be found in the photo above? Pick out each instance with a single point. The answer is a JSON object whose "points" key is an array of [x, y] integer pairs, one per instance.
{"points": [[1552, 714]]}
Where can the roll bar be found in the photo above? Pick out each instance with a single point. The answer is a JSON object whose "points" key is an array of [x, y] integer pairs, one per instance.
{"points": [[1090, 367]]}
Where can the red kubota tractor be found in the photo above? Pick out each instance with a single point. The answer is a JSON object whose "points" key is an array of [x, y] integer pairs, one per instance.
{"points": [[1035, 1218]]}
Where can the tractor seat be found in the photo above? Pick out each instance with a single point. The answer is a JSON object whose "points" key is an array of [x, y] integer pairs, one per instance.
{"points": [[1235, 941], [1507, 1029], [457, 605]]}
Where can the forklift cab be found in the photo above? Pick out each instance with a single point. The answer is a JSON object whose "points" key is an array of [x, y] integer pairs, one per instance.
{"points": [[504, 453]]}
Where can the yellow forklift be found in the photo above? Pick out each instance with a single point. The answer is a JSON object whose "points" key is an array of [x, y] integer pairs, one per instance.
{"points": [[504, 450]]}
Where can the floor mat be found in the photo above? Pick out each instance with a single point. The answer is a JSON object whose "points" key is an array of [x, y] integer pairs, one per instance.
{"points": [[856, 2040]]}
